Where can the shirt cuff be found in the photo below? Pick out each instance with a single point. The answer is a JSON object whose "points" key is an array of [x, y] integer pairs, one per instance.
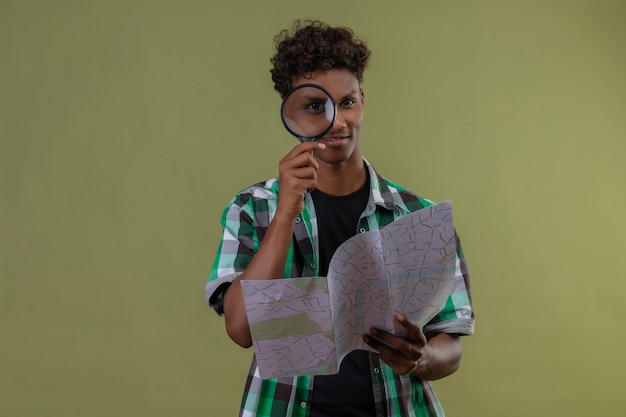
{"points": [[215, 297], [462, 326]]}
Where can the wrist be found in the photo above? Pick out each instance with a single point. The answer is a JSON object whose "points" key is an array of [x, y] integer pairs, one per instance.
{"points": [[441, 357], [421, 368], [285, 217]]}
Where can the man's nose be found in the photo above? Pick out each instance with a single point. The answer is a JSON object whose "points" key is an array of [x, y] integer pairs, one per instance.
{"points": [[339, 122]]}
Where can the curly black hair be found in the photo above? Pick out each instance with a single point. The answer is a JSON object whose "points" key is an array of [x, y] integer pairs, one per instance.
{"points": [[312, 46]]}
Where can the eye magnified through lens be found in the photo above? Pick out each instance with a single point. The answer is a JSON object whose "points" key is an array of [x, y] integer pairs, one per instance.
{"points": [[308, 112]]}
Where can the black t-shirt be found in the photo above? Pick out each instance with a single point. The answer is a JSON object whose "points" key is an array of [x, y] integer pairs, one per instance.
{"points": [[349, 392]]}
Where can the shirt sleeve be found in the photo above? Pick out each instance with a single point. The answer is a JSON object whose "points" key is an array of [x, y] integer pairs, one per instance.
{"points": [[457, 315], [234, 254]]}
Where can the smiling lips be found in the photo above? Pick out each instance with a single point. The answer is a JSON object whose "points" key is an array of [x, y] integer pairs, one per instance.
{"points": [[333, 140]]}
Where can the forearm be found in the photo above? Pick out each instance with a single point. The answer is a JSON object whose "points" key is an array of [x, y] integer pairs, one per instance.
{"points": [[268, 263], [442, 357]]}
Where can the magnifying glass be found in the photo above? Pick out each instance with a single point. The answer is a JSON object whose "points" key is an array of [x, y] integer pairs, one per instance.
{"points": [[308, 112]]}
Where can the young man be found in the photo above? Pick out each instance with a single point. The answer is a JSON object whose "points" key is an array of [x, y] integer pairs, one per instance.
{"points": [[290, 226]]}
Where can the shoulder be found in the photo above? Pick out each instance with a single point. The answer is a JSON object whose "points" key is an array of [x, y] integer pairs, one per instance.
{"points": [[405, 194], [253, 202], [405, 197], [264, 190], [395, 196]]}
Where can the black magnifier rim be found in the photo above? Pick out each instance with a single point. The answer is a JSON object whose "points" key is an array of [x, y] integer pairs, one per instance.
{"points": [[331, 123]]}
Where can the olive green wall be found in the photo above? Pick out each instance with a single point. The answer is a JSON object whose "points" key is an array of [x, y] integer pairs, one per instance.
{"points": [[126, 126]]}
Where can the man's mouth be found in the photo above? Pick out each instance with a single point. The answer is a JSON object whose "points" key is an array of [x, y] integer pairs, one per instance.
{"points": [[333, 140]]}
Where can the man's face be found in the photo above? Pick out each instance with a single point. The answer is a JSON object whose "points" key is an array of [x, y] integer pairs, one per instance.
{"points": [[342, 141]]}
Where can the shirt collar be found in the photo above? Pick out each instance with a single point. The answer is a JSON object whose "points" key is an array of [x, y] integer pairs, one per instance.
{"points": [[381, 195]]}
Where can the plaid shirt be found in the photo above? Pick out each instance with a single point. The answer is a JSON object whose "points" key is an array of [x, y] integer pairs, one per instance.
{"points": [[245, 222]]}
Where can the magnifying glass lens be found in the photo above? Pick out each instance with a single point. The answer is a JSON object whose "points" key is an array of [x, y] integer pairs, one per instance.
{"points": [[308, 112]]}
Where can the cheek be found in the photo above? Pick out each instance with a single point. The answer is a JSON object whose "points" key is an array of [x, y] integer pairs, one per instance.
{"points": [[356, 120], [357, 124]]}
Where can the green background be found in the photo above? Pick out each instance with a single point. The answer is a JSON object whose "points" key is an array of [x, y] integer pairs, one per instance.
{"points": [[126, 126]]}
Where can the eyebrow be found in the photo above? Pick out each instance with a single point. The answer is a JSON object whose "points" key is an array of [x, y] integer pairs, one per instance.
{"points": [[323, 97], [315, 97], [350, 94]]}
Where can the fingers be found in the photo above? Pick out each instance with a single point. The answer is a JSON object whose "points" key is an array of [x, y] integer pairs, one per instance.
{"points": [[304, 148], [414, 331], [385, 342], [299, 159], [298, 172], [401, 354], [415, 336], [400, 360], [297, 175], [301, 156]]}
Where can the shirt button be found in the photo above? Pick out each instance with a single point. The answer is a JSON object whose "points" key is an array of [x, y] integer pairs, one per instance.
{"points": [[303, 404], [362, 230], [298, 219], [312, 266], [376, 371]]}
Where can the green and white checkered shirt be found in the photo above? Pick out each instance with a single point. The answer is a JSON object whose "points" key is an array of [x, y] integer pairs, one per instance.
{"points": [[245, 222]]}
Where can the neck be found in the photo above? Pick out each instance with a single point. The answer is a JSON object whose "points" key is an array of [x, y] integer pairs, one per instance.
{"points": [[341, 179]]}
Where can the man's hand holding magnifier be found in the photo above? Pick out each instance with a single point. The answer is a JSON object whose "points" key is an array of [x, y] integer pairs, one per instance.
{"points": [[297, 175]]}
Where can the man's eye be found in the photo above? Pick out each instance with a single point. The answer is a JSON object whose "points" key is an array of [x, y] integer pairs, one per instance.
{"points": [[315, 107], [349, 102]]}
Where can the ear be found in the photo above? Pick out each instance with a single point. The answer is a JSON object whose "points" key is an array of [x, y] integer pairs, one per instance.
{"points": [[362, 97]]}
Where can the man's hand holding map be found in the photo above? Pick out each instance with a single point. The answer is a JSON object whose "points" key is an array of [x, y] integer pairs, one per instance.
{"points": [[306, 326]]}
